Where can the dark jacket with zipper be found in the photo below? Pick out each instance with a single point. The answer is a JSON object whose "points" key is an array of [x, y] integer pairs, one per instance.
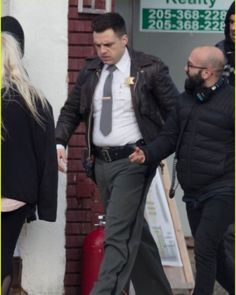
{"points": [[153, 96], [205, 158]]}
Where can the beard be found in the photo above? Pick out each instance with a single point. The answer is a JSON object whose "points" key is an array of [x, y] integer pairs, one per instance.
{"points": [[192, 83]]}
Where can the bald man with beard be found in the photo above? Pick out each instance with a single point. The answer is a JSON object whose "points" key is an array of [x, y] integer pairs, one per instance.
{"points": [[200, 131]]}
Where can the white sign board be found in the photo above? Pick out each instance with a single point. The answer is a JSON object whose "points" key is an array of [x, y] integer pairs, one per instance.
{"points": [[159, 219], [183, 15]]}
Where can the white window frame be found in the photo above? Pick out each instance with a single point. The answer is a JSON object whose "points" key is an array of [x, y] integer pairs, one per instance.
{"points": [[82, 9]]}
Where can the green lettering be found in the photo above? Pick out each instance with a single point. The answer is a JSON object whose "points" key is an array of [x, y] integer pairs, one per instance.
{"points": [[212, 3], [174, 1]]}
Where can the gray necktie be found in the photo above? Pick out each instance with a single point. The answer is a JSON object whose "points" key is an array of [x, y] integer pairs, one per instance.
{"points": [[106, 113]]}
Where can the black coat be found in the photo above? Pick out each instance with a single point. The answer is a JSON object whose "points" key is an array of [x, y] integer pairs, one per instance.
{"points": [[153, 96], [227, 46], [206, 151], [29, 162]]}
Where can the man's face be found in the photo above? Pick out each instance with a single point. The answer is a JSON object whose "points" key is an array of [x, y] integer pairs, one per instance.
{"points": [[231, 27], [109, 46], [194, 69]]}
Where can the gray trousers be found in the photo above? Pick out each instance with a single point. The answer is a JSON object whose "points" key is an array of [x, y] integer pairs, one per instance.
{"points": [[130, 251]]}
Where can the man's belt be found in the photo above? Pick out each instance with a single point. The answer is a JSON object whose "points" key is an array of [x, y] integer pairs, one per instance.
{"points": [[110, 154]]}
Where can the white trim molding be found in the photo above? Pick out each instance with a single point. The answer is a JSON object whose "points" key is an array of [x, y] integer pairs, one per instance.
{"points": [[93, 7]]}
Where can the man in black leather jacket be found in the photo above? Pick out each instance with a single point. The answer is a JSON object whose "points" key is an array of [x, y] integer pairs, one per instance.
{"points": [[201, 132], [142, 96]]}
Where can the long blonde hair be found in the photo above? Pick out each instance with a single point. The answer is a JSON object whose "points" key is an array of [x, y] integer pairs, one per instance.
{"points": [[15, 77]]}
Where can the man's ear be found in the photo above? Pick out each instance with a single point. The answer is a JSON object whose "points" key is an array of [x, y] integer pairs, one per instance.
{"points": [[206, 73], [125, 39]]}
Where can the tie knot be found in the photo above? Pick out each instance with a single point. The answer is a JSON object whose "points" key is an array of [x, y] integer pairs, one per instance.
{"points": [[111, 68]]}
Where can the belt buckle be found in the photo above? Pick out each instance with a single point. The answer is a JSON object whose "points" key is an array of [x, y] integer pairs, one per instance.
{"points": [[106, 155]]}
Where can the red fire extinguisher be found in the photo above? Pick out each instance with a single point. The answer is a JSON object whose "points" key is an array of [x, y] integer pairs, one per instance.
{"points": [[92, 254]]}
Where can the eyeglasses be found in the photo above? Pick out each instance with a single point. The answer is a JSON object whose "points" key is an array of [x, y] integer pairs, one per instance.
{"points": [[189, 65]]}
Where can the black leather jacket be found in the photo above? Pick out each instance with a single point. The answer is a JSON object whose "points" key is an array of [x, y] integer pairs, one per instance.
{"points": [[153, 95]]}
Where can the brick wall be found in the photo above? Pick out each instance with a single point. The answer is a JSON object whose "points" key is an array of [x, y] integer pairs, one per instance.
{"points": [[83, 204]]}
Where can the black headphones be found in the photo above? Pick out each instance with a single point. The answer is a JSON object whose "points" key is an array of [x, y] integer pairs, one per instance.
{"points": [[203, 93]]}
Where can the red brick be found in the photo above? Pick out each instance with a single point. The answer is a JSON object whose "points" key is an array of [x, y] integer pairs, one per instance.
{"points": [[87, 3], [100, 4], [73, 254], [73, 12], [78, 216], [72, 177], [71, 190], [76, 64], [74, 241], [72, 203], [73, 267], [86, 203], [73, 2], [75, 203], [80, 177], [96, 195], [75, 152], [75, 166], [97, 207], [72, 280], [77, 140], [81, 128], [84, 189], [70, 87], [72, 76], [78, 228], [79, 26], [75, 290], [80, 38], [83, 178], [81, 51]]}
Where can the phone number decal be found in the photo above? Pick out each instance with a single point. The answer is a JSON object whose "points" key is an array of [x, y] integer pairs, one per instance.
{"points": [[183, 20]]}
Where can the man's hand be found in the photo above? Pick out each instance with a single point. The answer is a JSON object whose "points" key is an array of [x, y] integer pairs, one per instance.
{"points": [[137, 156], [62, 159]]}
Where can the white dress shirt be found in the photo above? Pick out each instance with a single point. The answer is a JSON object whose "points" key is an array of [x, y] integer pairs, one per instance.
{"points": [[124, 124]]}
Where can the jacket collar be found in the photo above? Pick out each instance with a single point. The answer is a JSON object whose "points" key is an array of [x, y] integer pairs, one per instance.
{"points": [[140, 59]]}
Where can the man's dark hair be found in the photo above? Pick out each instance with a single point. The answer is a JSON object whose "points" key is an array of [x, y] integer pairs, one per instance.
{"points": [[107, 21]]}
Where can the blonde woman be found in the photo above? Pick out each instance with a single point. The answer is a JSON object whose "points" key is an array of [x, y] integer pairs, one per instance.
{"points": [[29, 163]]}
